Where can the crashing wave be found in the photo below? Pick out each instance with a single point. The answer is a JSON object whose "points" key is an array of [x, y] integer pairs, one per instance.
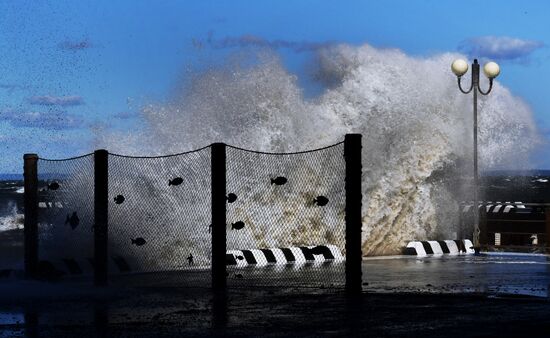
{"points": [[416, 127], [12, 220]]}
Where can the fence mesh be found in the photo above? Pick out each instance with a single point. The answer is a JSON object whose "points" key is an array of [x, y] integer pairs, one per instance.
{"points": [[285, 214], [65, 216], [159, 216], [287, 225]]}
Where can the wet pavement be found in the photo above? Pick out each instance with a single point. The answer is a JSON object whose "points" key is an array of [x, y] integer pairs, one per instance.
{"points": [[403, 297], [491, 273]]}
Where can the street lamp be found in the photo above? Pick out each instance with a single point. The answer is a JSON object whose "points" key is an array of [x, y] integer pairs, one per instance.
{"points": [[491, 70]]}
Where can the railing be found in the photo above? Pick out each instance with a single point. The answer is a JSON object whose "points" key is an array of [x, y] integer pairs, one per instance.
{"points": [[127, 211], [504, 222]]}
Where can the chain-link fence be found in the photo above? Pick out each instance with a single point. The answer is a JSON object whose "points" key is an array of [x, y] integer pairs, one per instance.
{"points": [[65, 216], [285, 215], [159, 216], [286, 225]]}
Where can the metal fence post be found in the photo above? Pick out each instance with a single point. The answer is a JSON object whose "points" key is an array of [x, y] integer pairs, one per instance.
{"points": [[101, 216], [460, 221], [354, 256], [547, 218], [219, 231], [30, 175], [483, 235]]}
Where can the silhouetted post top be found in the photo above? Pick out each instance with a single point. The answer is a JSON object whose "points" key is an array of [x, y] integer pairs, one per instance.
{"points": [[353, 214], [101, 216], [30, 176]]}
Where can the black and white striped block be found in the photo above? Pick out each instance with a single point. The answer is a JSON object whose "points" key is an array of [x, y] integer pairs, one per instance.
{"points": [[280, 256], [497, 207], [52, 205], [85, 266], [446, 247]]}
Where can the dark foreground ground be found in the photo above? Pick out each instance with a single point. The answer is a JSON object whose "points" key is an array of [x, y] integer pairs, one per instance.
{"points": [[183, 313], [491, 295], [294, 313]]}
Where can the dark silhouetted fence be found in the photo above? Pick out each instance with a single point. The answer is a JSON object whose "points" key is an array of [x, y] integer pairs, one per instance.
{"points": [[65, 215], [213, 217], [171, 217]]}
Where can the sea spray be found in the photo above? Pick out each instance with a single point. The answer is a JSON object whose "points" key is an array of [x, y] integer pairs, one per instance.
{"points": [[416, 126], [11, 218], [11, 236]]}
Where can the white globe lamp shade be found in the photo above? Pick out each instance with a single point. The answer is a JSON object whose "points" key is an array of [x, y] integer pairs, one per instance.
{"points": [[459, 67], [491, 70]]}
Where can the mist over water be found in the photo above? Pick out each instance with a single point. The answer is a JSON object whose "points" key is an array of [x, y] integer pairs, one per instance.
{"points": [[416, 127]]}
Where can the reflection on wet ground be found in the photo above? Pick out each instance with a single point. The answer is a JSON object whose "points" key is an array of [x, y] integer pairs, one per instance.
{"points": [[459, 291], [497, 274]]}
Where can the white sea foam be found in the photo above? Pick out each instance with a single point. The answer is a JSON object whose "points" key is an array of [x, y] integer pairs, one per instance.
{"points": [[12, 219], [416, 127]]}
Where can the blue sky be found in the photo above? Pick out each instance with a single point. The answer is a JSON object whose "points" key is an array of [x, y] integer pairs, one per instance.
{"points": [[67, 67]]}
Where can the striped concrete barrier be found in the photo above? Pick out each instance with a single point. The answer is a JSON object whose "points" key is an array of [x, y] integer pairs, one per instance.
{"points": [[84, 266], [52, 205], [498, 207], [280, 256], [237, 258], [446, 247]]}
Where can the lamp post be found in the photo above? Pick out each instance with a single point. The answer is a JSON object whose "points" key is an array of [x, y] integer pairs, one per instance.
{"points": [[491, 70]]}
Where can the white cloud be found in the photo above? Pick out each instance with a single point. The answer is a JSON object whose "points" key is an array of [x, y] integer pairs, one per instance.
{"points": [[75, 45], [57, 100], [54, 120], [499, 47]]}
